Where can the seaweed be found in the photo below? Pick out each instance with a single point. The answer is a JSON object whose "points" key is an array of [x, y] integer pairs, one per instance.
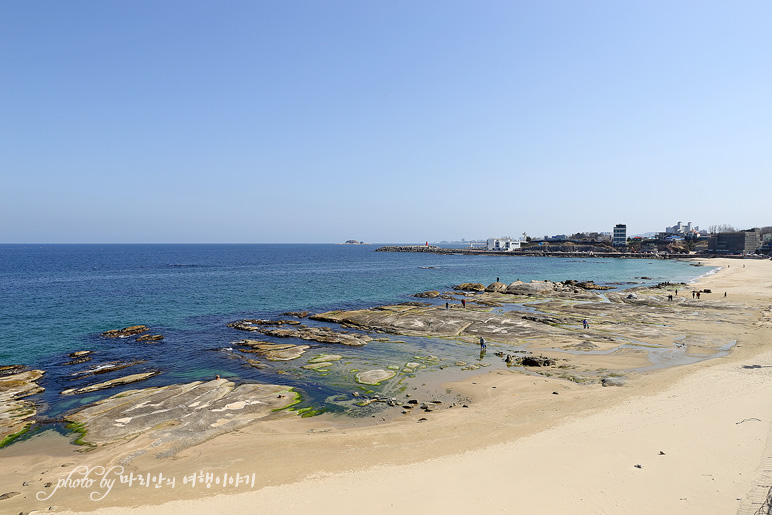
{"points": [[80, 429], [8, 440]]}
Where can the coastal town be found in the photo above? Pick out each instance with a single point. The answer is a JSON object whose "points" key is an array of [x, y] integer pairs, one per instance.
{"points": [[675, 241]]}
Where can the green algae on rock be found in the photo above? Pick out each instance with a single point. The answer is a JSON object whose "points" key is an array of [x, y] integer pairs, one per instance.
{"points": [[14, 411]]}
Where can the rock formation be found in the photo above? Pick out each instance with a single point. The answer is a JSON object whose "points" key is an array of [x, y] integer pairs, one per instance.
{"points": [[319, 334], [172, 418], [125, 332], [470, 287], [15, 412], [375, 377], [274, 351], [133, 378]]}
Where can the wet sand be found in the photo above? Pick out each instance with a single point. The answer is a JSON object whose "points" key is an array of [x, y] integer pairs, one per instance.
{"points": [[524, 444]]}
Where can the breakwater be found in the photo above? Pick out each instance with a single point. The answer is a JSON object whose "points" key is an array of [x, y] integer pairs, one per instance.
{"points": [[531, 252]]}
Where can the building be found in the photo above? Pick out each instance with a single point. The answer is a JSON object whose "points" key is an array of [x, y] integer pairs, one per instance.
{"points": [[688, 231], [620, 235], [680, 228], [740, 242], [504, 244]]}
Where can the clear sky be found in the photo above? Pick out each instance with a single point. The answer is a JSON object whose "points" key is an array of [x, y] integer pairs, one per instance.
{"points": [[383, 121]]}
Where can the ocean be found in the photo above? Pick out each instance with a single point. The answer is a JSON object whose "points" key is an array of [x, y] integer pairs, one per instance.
{"points": [[56, 299]]}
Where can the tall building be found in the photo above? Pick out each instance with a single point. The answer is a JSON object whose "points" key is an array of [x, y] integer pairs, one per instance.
{"points": [[620, 235]]}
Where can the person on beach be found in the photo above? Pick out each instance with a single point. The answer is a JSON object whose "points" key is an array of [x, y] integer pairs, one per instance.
{"points": [[482, 342], [497, 279], [463, 303], [676, 292], [692, 293], [447, 306], [670, 298], [724, 294], [698, 295], [585, 324]]}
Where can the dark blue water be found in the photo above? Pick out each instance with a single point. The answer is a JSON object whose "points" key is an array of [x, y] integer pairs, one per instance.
{"points": [[55, 299]]}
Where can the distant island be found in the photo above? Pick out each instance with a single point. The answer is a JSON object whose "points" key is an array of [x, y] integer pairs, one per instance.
{"points": [[354, 242]]}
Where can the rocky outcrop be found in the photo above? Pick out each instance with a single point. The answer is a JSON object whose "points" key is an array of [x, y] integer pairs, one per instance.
{"points": [[470, 287], [80, 356], [325, 357], [150, 338], [436, 320], [275, 351], [251, 324], [496, 287], [125, 332], [134, 378], [296, 314], [321, 335], [587, 285], [15, 412], [104, 368], [535, 361], [432, 294], [543, 319], [7, 370], [172, 418], [532, 288], [374, 377]]}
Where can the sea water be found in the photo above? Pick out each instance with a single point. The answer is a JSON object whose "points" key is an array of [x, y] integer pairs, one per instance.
{"points": [[55, 299]]}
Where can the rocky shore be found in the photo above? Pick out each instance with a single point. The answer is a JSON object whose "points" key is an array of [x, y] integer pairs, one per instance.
{"points": [[574, 330], [559, 341]]}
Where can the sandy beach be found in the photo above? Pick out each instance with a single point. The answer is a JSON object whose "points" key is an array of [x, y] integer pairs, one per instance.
{"points": [[686, 439]]}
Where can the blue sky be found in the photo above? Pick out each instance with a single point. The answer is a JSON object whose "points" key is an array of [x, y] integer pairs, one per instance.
{"points": [[397, 121]]}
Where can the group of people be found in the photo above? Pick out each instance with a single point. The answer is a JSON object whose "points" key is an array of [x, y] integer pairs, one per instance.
{"points": [[463, 304]]}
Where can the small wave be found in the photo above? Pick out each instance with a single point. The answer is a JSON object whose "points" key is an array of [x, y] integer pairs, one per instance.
{"points": [[728, 346], [706, 274]]}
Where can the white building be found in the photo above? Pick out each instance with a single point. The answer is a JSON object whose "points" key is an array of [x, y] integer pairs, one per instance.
{"points": [[504, 244], [682, 229], [620, 235]]}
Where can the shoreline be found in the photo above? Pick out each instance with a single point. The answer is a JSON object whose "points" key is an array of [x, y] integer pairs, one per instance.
{"points": [[509, 410], [592, 252]]}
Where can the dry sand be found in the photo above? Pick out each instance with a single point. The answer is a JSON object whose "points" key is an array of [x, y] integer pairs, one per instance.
{"points": [[518, 448]]}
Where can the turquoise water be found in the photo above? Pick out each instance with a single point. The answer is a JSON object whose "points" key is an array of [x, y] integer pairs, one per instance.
{"points": [[55, 299]]}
